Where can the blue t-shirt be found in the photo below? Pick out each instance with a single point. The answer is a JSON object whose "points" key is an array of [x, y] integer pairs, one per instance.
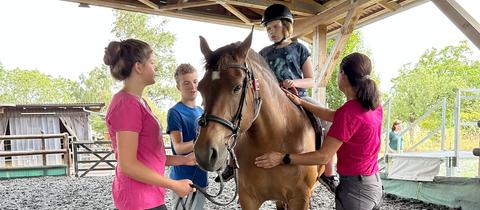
{"points": [[184, 119], [286, 63]]}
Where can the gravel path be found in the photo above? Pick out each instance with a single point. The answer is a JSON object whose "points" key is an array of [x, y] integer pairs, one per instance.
{"points": [[95, 193]]}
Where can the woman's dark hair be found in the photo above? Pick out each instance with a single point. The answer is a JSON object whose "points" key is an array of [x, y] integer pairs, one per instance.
{"points": [[121, 56], [358, 67]]}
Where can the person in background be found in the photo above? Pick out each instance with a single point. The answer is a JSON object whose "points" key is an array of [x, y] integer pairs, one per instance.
{"points": [[396, 140], [136, 134], [182, 127]]}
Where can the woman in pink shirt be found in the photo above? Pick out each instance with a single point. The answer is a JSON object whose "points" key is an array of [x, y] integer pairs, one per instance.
{"points": [[354, 136], [139, 181]]}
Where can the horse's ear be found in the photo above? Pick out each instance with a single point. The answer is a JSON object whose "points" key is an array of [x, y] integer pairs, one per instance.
{"points": [[245, 45], [204, 47]]}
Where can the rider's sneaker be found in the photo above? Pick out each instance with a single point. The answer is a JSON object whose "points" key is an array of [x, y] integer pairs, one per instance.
{"points": [[227, 174], [330, 182]]}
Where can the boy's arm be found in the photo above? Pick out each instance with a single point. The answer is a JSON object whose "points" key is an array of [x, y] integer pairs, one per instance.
{"points": [[179, 146]]}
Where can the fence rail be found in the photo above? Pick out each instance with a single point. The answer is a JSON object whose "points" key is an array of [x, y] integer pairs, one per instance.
{"points": [[43, 152]]}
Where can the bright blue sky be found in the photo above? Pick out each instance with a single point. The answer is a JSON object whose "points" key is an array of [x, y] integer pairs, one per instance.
{"points": [[60, 39]]}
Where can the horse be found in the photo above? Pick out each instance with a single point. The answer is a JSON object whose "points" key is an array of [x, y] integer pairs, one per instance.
{"points": [[245, 110]]}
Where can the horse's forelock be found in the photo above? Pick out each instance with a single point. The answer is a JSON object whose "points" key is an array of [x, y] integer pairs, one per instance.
{"points": [[212, 60]]}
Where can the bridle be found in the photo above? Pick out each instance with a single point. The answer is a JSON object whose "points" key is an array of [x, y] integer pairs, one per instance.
{"points": [[234, 124]]}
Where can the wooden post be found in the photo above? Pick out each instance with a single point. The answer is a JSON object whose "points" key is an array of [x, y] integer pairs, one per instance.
{"points": [[340, 42], [44, 156], [67, 153], [319, 55], [464, 21]]}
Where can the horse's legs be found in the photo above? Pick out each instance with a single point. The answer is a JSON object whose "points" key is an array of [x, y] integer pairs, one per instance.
{"points": [[299, 203], [248, 203]]}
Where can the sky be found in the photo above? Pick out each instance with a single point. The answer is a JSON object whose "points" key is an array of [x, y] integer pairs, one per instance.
{"points": [[60, 39]]}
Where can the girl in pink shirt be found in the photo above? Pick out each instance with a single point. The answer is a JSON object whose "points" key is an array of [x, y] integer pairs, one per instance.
{"points": [[354, 136], [139, 181]]}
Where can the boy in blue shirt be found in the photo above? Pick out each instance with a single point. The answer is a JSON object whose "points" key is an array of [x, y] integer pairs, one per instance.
{"points": [[182, 127]]}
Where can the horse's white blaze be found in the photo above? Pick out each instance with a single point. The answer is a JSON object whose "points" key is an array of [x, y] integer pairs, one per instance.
{"points": [[215, 75]]}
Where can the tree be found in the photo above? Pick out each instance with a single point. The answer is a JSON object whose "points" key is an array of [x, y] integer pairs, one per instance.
{"points": [[140, 26], [438, 73], [335, 97], [31, 86]]}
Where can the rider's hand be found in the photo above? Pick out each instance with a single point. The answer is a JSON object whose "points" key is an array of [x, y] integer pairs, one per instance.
{"points": [[295, 99], [288, 83], [182, 187]]}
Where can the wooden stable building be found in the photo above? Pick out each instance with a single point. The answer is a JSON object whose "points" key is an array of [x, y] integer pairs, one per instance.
{"points": [[35, 135]]}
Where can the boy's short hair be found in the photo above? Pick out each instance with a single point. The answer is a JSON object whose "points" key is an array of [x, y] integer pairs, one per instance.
{"points": [[184, 68]]}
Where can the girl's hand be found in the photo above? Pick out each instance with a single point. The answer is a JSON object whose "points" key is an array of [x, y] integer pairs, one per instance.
{"points": [[269, 160], [183, 187], [288, 83], [295, 99], [190, 159]]}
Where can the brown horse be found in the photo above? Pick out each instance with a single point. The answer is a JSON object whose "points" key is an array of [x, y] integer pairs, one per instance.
{"points": [[236, 81]]}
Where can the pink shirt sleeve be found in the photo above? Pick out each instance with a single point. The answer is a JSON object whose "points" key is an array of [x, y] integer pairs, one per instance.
{"points": [[126, 116], [344, 125]]}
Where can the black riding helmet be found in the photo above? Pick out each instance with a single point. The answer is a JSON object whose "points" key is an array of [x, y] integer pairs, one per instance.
{"points": [[277, 12]]}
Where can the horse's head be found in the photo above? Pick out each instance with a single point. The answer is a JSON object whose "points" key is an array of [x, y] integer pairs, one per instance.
{"points": [[230, 100]]}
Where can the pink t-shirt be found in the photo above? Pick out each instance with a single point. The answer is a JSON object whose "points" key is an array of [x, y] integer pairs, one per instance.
{"points": [[126, 113], [360, 131]]}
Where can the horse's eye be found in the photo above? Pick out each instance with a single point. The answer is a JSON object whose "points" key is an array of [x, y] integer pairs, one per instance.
{"points": [[237, 89]]}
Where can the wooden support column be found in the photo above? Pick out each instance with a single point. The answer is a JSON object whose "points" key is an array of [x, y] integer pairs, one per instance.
{"points": [[464, 21], [319, 56], [340, 43]]}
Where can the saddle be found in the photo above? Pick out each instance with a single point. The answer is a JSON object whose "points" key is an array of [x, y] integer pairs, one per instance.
{"points": [[317, 126], [315, 121]]}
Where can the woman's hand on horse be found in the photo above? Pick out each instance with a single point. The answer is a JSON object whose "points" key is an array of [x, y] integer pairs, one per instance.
{"points": [[183, 187], [269, 160], [295, 99]]}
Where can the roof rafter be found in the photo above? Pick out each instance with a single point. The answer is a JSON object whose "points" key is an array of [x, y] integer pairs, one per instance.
{"points": [[149, 4], [186, 5], [237, 13], [297, 7], [390, 5]]}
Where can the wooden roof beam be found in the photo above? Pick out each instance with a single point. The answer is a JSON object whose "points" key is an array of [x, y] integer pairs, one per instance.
{"points": [[390, 5], [297, 7], [149, 4], [177, 14], [340, 42], [186, 5], [237, 13], [464, 21], [328, 16]]}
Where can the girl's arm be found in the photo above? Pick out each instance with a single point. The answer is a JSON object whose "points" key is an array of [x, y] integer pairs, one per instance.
{"points": [[127, 144], [320, 157], [307, 81]]}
